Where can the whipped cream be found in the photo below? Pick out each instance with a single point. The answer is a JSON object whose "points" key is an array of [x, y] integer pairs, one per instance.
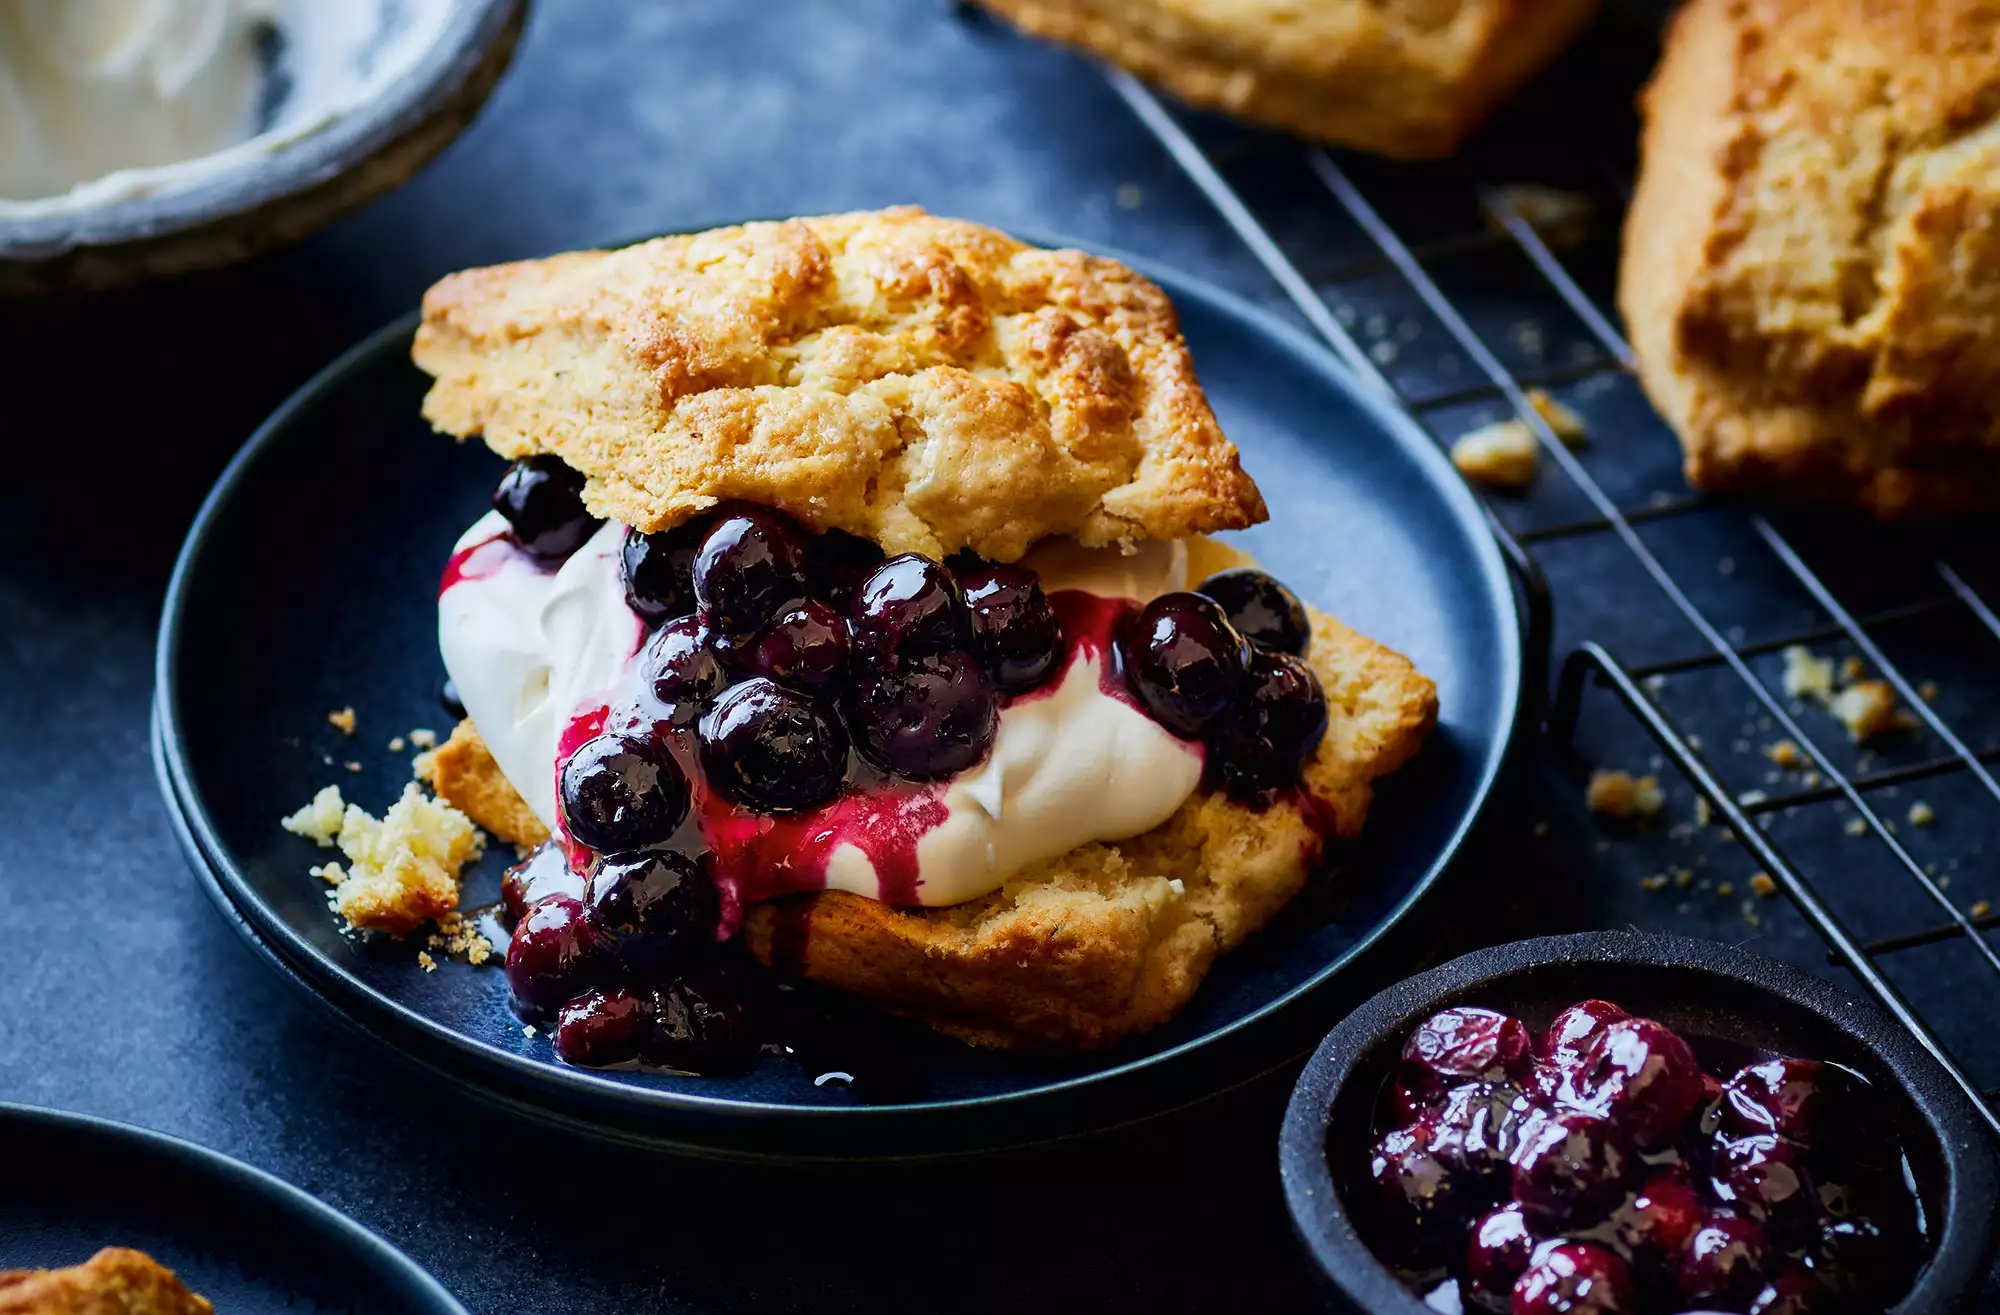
{"points": [[530, 650], [102, 100]]}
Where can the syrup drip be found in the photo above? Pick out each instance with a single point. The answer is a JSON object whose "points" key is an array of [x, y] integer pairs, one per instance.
{"points": [[479, 560]]}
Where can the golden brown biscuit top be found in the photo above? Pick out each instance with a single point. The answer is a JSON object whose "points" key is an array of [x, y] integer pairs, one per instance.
{"points": [[115, 1281], [1854, 245], [927, 383]]}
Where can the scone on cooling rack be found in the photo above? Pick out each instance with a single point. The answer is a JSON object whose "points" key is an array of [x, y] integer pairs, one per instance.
{"points": [[115, 1281], [1408, 78], [1812, 260], [901, 655]]}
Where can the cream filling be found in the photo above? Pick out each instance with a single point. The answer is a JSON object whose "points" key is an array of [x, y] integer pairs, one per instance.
{"points": [[529, 649], [104, 100]]}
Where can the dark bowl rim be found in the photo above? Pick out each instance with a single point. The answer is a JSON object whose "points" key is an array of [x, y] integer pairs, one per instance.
{"points": [[296, 166], [246, 1179], [1958, 1261], [580, 1089]]}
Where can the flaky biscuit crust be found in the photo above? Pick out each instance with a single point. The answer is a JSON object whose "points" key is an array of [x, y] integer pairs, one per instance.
{"points": [[926, 383], [115, 1281], [1811, 272], [1096, 945], [1398, 77]]}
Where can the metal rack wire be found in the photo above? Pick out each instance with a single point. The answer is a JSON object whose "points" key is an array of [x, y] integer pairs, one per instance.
{"points": [[1504, 229]]}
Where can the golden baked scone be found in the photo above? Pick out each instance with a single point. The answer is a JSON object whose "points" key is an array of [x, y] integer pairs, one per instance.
{"points": [[1811, 270], [926, 383], [115, 1281], [1108, 940], [1397, 77]]}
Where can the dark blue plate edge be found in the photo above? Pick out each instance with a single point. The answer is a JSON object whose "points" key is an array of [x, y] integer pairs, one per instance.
{"points": [[310, 969], [237, 1176]]}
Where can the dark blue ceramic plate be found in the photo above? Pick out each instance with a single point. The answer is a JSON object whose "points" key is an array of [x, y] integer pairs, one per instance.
{"points": [[307, 584], [245, 1240]]}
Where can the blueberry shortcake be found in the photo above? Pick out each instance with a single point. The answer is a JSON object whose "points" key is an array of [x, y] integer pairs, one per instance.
{"points": [[849, 601]]}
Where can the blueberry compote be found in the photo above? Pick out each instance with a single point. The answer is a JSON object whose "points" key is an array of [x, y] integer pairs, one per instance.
{"points": [[1602, 1168], [793, 693]]}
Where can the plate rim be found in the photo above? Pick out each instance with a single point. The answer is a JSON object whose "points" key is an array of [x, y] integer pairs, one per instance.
{"points": [[239, 1176], [326, 978]]}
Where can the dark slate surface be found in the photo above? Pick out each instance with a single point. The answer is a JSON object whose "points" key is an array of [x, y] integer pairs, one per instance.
{"points": [[131, 999]]}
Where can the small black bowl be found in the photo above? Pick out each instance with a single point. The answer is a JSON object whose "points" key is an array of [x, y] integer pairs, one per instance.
{"points": [[1703, 990]]}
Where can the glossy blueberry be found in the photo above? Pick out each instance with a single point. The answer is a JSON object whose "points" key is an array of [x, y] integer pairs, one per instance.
{"points": [[658, 570], [1654, 1224], [650, 910], [1796, 1098], [751, 566], [544, 872], [603, 1027], [1277, 725], [1574, 1278], [1766, 1179], [771, 749], [1184, 662], [806, 648], [1477, 1130], [1725, 1262], [838, 562], [682, 669], [542, 500], [1640, 1074], [1573, 1030], [1456, 1046], [1570, 1171], [621, 792], [550, 957], [699, 1026], [907, 608], [1014, 630], [1263, 611], [927, 719], [1416, 1197], [1496, 1255]]}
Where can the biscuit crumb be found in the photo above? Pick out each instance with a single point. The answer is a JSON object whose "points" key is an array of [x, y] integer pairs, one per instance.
{"points": [[1981, 909], [1922, 814], [456, 937], [318, 821], [424, 739], [1867, 709], [1564, 423], [1852, 669], [351, 765], [1500, 455], [528, 1030], [1725, 888], [1928, 691], [429, 964], [396, 744], [1751, 798], [1762, 886], [1683, 877], [1620, 795], [343, 720], [1656, 882], [1807, 675], [1785, 753], [1856, 827], [1561, 218], [1703, 814], [402, 867]]}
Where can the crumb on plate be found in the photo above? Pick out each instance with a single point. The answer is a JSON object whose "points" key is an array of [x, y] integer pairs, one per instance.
{"points": [[343, 720], [402, 867]]}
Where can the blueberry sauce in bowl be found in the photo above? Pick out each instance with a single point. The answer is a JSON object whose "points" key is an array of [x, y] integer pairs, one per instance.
{"points": [[1615, 1122], [789, 697]]}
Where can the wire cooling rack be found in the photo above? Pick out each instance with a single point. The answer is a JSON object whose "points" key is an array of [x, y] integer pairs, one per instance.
{"points": [[1453, 292]]}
